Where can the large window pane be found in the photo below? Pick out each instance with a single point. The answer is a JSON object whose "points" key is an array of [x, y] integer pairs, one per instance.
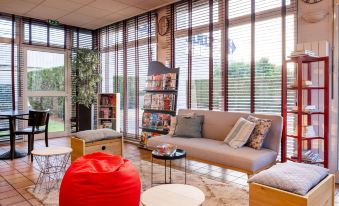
{"points": [[239, 68], [45, 71]]}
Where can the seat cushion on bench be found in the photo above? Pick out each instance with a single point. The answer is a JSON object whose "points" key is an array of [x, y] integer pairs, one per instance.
{"points": [[293, 177], [245, 158], [97, 135]]}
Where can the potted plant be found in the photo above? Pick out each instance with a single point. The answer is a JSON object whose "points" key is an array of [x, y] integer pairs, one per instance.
{"points": [[86, 62]]}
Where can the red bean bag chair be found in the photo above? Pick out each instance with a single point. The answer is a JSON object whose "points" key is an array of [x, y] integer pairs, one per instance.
{"points": [[100, 179]]}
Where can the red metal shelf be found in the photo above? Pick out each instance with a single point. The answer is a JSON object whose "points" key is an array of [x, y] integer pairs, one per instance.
{"points": [[305, 138], [305, 88], [305, 113], [303, 71]]}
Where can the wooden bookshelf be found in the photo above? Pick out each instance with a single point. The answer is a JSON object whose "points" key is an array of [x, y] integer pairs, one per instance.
{"points": [[160, 101], [305, 96], [109, 111]]}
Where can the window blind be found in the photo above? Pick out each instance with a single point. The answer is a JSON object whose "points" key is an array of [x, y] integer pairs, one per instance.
{"points": [[38, 32], [81, 38], [8, 69], [126, 49], [248, 77]]}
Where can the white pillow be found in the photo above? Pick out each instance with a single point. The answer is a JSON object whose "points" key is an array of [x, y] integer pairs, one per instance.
{"points": [[240, 133]]}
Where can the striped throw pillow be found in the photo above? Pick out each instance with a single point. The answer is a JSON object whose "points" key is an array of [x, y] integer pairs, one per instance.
{"points": [[240, 133]]}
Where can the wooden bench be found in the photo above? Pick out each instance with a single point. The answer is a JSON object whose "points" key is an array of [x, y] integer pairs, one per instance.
{"points": [[110, 146], [321, 195]]}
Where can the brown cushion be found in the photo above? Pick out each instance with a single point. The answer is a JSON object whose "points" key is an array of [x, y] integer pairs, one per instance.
{"points": [[261, 129]]}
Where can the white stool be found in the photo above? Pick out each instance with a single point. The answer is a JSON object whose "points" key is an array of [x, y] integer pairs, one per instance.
{"points": [[52, 162], [173, 195]]}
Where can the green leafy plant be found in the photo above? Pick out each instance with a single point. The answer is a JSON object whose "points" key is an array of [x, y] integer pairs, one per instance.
{"points": [[86, 63]]}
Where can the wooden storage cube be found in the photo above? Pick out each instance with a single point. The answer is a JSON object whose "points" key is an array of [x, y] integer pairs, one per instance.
{"points": [[320, 195], [110, 146]]}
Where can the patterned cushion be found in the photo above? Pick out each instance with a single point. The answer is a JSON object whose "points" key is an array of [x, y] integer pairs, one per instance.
{"points": [[293, 177], [240, 133], [262, 127]]}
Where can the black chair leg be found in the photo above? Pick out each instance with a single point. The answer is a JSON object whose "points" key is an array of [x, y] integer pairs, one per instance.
{"points": [[32, 146], [46, 139], [29, 145]]}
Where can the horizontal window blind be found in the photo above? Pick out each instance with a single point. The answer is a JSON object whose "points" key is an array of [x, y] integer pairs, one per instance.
{"points": [[126, 49], [8, 70], [81, 38], [249, 78], [38, 32]]}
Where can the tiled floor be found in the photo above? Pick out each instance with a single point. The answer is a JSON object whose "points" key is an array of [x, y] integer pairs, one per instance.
{"points": [[16, 175]]}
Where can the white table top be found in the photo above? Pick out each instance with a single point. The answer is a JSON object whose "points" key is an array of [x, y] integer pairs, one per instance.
{"points": [[173, 195], [48, 151]]}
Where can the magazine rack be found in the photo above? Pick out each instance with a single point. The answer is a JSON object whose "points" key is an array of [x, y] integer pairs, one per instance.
{"points": [[160, 101]]}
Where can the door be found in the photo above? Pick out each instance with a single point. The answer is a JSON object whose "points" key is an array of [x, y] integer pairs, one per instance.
{"points": [[46, 86]]}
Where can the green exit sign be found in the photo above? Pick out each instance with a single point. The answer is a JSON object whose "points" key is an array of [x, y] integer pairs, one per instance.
{"points": [[53, 22]]}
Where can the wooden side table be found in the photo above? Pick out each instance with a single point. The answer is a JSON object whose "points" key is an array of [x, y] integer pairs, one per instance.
{"points": [[173, 194], [52, 162]]}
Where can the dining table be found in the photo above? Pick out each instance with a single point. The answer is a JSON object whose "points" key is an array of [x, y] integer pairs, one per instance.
{"points": [[12, 115]]}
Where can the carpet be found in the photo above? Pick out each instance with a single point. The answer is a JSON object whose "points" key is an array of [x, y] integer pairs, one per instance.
{"points": [[216, 193]]}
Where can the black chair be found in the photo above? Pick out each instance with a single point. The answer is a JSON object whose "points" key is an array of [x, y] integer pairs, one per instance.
{"points": [[37, 124]]}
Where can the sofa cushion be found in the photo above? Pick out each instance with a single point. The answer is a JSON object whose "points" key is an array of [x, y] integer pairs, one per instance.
{"points": [[293, 177], [240, 133], [245, 158], [262, 127], [189, 126]]}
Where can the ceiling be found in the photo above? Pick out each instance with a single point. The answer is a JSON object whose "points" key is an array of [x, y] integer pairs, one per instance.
{"points": [[90, 14]]}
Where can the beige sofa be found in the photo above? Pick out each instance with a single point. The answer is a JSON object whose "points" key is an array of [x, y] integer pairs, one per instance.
{"points": [[213, 150]]}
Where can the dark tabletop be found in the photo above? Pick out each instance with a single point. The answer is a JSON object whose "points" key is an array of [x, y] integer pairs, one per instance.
{"points": [[179, 153], [12, 113]]}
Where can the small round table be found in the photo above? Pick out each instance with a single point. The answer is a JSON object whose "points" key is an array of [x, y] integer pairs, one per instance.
{"points": [[172, 194], [178, 154], [52, 162]]}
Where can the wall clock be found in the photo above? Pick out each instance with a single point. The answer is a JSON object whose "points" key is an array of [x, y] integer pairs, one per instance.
{"points": [[311, 1], [163, 25]]}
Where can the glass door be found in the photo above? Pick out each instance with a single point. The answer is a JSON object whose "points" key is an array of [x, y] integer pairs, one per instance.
{"points": [[46, 86]]}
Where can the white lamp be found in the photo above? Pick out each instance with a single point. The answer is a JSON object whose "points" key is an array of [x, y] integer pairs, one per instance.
{"points": [[314, 16]]}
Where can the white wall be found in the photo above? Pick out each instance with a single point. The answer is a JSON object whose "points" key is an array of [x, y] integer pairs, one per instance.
{"points": [[311, 32]]}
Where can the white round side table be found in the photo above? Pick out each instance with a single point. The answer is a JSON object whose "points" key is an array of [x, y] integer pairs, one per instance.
{"points": [[52, 162], [173, 195]]}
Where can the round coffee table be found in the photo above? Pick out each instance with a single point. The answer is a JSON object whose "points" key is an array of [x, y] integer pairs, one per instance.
{"points": [[52, 162], [172, 194], [179, 154]]}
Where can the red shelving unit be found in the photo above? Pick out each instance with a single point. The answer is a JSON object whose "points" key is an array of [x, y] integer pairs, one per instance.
{"points": [[304, 96]]}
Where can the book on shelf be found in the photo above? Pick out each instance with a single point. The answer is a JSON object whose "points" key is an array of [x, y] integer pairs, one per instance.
{"points": [[306, 109], [308, 156], [307, 131], [106, 113], [303, 52], [156, 121], [106, 124], [107, 100], [159, 101], [165, 81], [148, 101]]}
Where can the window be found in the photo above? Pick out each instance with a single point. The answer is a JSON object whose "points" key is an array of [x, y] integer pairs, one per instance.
{"points": [[41, 33], [126, 49], [249, 78], [8, 69]]}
